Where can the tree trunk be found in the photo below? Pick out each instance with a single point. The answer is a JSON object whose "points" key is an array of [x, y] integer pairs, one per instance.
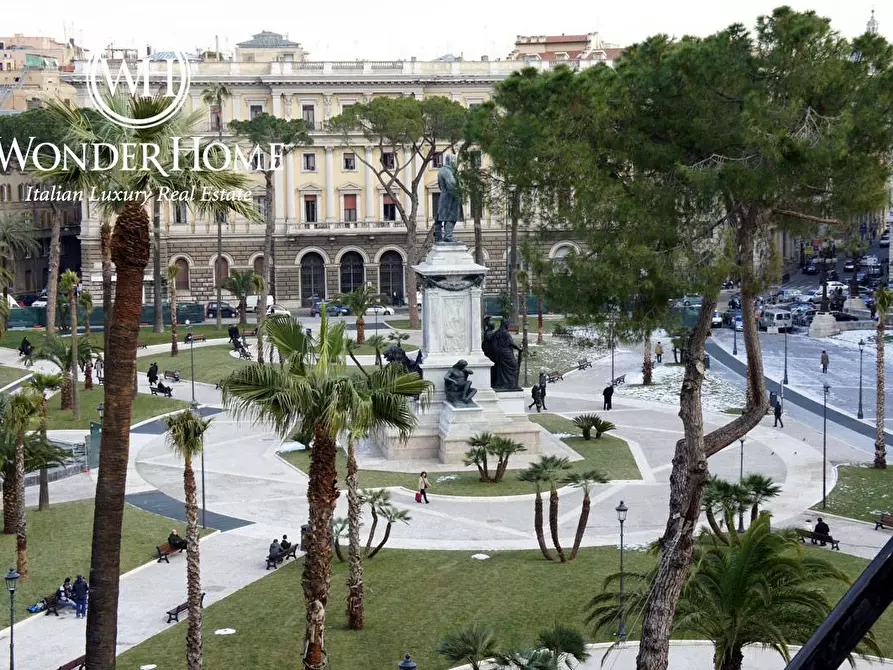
{"points": [[356, 616], [647, 365], [65, 390], [270, 217], [243, 311], [21, 517], [384, 540], [53, 270], [316, 579], [175, 348], [219, 280], [75, 391], [87, 322], [130, 253], [361, 330], [371, 531], [880, 446], [714, 525], [338, 551], [44, 493], [515, 206], [539, 317], [105, 246], [538, 526], [581, 525], [412, 253], [194, 657], [156, 271], [553, 523], [10, 484], [732, 659]]}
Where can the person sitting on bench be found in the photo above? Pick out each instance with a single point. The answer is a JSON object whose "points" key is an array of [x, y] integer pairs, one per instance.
{"points": [[25, 348], [164, 390], [276, 551], [177, 543], [285, 545], [63, 595], [821, 528]]}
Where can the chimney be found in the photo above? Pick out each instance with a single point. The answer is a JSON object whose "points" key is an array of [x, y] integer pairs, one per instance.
{"points": [[148, 50]]}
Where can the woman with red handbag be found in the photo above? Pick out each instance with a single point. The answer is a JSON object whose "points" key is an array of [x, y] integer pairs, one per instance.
{"points": [[424, 485]]}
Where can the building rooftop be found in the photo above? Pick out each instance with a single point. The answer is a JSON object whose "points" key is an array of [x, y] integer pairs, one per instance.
{"points": [[267, 40]]}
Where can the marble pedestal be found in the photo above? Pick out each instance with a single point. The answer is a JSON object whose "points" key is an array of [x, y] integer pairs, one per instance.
{"points": [[854, 304], [452, 330], [823, 325]]}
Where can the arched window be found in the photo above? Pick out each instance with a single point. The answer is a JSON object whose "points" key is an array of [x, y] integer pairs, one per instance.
{"points": [[22, 192], [313, 277], [221, 270], [181, 282], [390, 275], [352, 272], [259, 265]]}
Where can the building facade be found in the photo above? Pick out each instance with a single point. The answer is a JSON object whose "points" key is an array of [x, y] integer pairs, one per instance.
{"points": [[336, 226], [30, 68]]}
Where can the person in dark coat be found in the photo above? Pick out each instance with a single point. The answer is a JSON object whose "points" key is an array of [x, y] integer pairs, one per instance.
{"points": [[177, 543], [608, 393], [542, 384], [825, 361], [152, 374], [536, 395], [79, 592], [821, 528], [285, 545], [778, 415]]}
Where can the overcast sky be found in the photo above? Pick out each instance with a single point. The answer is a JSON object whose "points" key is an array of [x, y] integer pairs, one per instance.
{"points": [[393, 29]]}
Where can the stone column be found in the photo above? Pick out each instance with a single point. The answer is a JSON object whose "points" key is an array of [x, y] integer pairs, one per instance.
{"points": [[330, 185], [369, 212], [279, 190], [237, 107], [277, 103], [290, 187]]}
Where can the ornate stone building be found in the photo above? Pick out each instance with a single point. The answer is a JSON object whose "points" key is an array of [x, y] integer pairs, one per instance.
{"points": [[336, 227]]}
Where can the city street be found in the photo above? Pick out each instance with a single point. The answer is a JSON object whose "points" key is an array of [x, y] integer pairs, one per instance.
{"points": [[806, 282]]}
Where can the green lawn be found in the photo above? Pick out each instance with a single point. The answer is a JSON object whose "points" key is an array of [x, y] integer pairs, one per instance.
{"points": [[398, 324], [609, 454], [861, 493], [144, 407], [13, 338], [9, 375], [59, 546], [413, 600]]}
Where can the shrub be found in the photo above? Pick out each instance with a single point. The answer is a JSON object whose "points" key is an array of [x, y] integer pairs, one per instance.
{"points": [[602, 426], [586, 422]]}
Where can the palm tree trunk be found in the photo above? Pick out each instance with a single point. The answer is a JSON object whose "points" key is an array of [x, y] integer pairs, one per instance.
{"points": [[10, 484], [538, 526], [361, 330], [243, 311], [581, 525], [175, 349], [371, 531], [21, 517], [43, 502], [539, 316], [219, 280], [732, 659], [338, 551], [53, 270], [754, 512], [714, 525], [384, 540], [880, 448], [130, 253], [270, 216], [355, 609], [316, 579], [65, 390], [553, 523], [194, 657], [156, 271], [105, 244], [647, 364], [75, 392]]}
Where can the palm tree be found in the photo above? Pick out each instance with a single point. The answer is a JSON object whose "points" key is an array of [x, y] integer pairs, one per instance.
{"points": [[17, 238], [359, 301], [42, 383], [172, 272], [883, 303], [85, 302], [584, 480], [477, 455], [551, 470], [560, 648], [378, 343], [186, 437], [213, 97], [503, 448], [377, 499], [129, 252], [471, 645], [356, 615], [339, 528], [312, 399], [767, 590], [727, 498], [759, 488], [392, 515], [242, 284], [70, 282], [58, 351], [534, 474]]}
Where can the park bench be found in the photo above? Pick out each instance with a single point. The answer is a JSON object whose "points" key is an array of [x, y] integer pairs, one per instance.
{"points": [[815, 538], [165, 550], [584, 363], [619, 380], [173, 375], [50, 605], [282, 556], [168, 392], [76, 664], [553, 377], [141, 345], [174, 614], [884, 520]]}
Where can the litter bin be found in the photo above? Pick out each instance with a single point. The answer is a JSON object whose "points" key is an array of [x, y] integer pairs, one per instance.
{"points": [[706, 360], [305, 537]]}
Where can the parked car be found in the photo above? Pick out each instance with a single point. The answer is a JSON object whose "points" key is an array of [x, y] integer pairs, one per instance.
{"points": [[227, 311], [843, 316], [26, 299], [332, 309], [277, 309], [380, 310], [716, 321], [849, 265], [804, 320], [811, 268], [252, 300], [776, 318], [40, 302], [739, 323], [690, 302], [729, 316], [787, 295], [884, 241]]}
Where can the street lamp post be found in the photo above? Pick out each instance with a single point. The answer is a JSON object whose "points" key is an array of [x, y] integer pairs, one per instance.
{"points": [[621, 510], [735, 341], [740, 480], [612, 351], [194, 405], [860, 414], [407, 663], [827, 387], [100, 409], [11, 578], [785, 380]]}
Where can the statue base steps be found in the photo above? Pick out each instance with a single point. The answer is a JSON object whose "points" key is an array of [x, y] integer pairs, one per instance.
{"points": [[824, 325]]}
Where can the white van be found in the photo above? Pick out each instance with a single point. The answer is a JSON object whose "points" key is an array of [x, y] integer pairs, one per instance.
{"points": [[252, 300], [776, 318]]}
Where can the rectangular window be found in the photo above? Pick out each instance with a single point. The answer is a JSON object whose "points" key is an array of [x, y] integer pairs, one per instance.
{"points": [[310, 209], [309, 162], [350, 162], [180, 210], [476, 160], [350, 207], [308, 113], [216, 123], [255, 110], [437, 160], [435, 204], [387, 160], [390, 209], [260, 204]]}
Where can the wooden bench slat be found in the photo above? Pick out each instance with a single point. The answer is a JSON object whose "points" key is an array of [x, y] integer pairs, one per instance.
{"points": [[174, 614], [164, 550], [291, 552], [76, 664], [817, 537], [885, 520]]}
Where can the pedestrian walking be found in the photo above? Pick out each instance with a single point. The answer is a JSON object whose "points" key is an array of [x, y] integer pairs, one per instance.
{"points": [[152, 374], [608, 393], [537, 397], [778, 420], [659, 352], [424, 485], [542, 384], [825, 361], [79, 592]]}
